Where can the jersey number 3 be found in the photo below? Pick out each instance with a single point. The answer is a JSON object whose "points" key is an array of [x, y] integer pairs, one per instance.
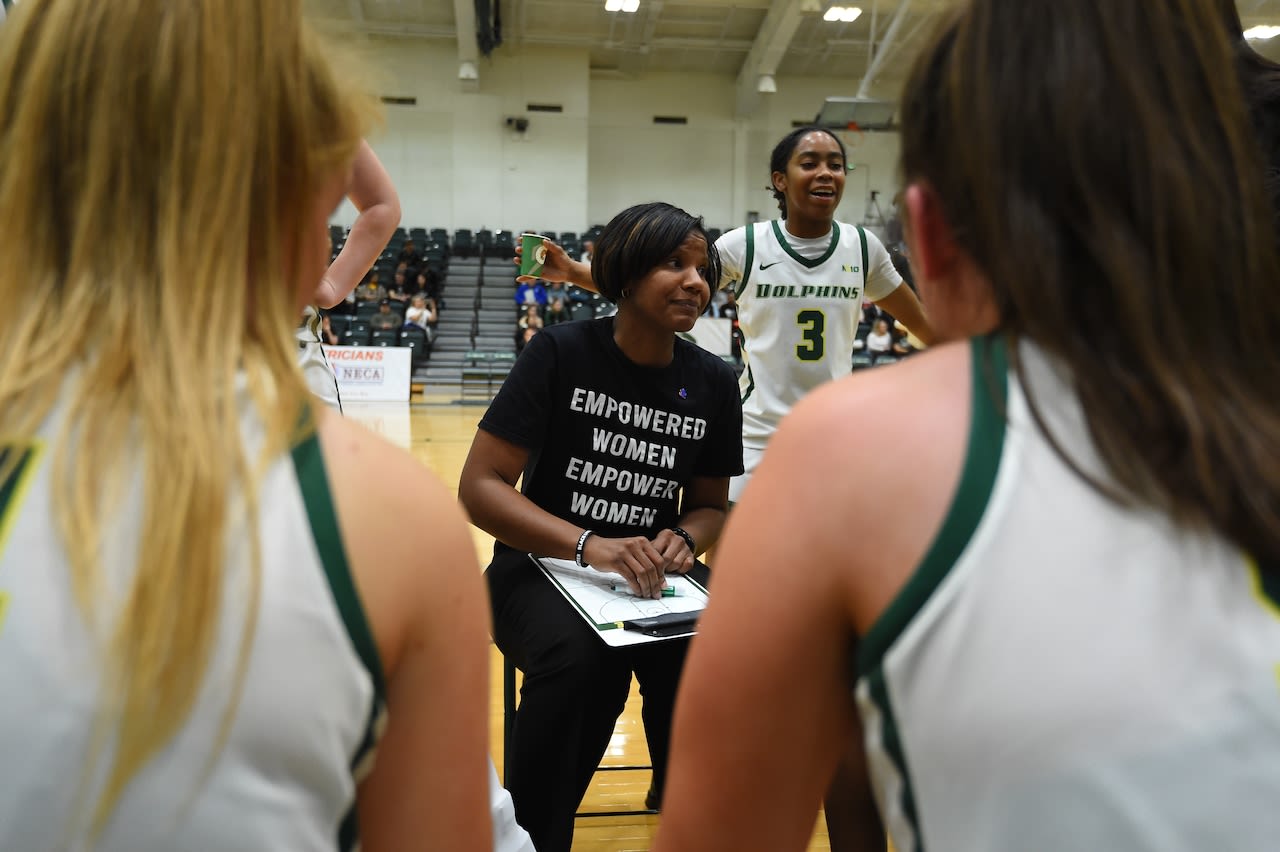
{"points": [[812, 345]]}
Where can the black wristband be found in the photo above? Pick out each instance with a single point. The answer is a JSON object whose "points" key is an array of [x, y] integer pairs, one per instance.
{"points": [[688, 539], [582, 543]]}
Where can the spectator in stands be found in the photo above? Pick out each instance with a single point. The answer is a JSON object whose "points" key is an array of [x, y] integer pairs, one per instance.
{"points": [[531, 293], [424, 285], [588, 249], [557, 304], [530, 323], [879, 341], [409, 255], [326, 331], [385, 318], [422, 313], [371, 290], [399, 285], [556, 311], [410, 272]]}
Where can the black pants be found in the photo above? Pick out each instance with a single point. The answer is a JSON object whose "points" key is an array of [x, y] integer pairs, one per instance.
{"points": [[575, 687]]}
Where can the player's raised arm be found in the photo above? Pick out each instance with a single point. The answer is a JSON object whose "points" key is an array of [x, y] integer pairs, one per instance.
{"points": [[373, 194]]}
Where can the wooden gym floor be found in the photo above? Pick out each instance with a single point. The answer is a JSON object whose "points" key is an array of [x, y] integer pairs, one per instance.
{"points": [[438, 433]]}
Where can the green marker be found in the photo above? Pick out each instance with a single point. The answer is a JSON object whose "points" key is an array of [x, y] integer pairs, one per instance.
{"points": [[667, 591]]}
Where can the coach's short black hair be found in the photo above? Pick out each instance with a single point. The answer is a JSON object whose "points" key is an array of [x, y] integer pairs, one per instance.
{"points": [[641, 237]]}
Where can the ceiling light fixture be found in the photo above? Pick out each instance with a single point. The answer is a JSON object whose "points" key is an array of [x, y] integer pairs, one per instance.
{"points": [[844, 14], [1261, 33], [630, 6]]}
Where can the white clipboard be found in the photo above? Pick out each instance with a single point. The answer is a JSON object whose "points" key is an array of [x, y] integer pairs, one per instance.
{"points": [[604, 609]]}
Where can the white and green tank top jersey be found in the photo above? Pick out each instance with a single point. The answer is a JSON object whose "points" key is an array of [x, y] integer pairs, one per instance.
{"points": [[307, 721], [1061, 673], [799, 304], [315, 366]]}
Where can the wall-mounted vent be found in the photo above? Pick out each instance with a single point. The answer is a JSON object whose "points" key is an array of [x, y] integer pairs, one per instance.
{"points": [[544, 108], [670, 119], [394, 101]]}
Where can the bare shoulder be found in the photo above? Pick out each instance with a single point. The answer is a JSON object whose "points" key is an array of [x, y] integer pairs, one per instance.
{"points": [[378, 483], [414, 567], [406, 537], [885, 448]]}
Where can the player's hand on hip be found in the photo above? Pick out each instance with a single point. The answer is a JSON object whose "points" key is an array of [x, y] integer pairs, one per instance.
{"points": [[635, 558], [676, 556]]}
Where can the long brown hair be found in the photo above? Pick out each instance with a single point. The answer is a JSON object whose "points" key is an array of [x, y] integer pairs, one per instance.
{"points": [[1096, 162], [156, 160]]}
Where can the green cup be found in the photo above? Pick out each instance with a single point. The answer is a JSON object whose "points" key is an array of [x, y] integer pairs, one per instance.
{"points": [[532, 254]]}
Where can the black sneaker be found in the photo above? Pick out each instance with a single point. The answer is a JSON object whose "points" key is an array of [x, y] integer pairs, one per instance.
{"points": [[653, 800]]}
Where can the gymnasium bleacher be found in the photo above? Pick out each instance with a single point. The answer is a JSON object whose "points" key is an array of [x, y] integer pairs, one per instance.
{"points": [[474, 343]]}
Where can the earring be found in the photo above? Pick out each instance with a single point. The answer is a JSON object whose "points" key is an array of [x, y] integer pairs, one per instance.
{"points": [[626, 293]]}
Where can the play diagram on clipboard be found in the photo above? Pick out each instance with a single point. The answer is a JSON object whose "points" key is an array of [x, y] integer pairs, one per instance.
{"points": [[607, 609]]}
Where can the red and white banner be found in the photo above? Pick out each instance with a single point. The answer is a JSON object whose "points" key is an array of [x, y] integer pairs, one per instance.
{"points": [[371, 373]]}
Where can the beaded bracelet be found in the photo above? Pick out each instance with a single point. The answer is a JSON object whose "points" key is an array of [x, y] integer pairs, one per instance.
{"points": [[688, 539]]}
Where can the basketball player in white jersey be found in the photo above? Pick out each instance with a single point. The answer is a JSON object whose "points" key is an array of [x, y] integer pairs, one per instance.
{"points": [[374, 195], [799, 282], [1071, 641], [375, 198], [207, 622]]}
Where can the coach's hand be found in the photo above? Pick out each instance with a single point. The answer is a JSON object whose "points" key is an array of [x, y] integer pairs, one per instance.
{"points": [[677, 558], [635, 558], [557, 267]]}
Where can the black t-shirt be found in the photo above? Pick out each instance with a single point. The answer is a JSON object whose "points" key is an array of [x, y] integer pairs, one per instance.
{"points": [[611, 443]]}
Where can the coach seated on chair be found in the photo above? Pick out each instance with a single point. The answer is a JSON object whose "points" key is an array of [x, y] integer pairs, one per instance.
{"points": [[626, 437]]}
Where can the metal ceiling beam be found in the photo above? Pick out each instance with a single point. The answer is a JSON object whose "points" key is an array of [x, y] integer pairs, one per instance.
{"points": [[886, 45], [907, 40], [779, 27], [634, 61]]}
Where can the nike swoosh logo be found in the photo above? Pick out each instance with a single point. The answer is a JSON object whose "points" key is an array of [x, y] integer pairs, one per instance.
{"points": [[765, 266]]}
